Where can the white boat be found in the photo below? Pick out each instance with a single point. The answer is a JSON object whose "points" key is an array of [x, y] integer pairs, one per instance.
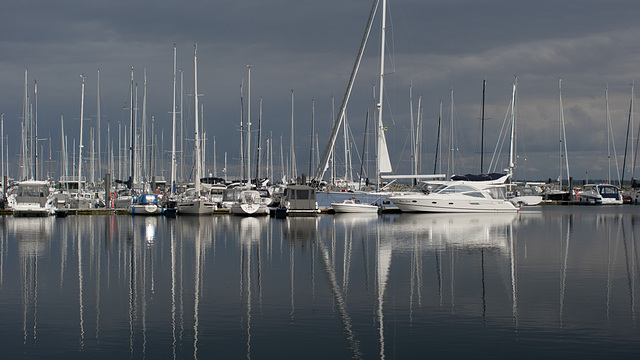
{"points": [[526, 196], [145, 204], [604, 194], [192, 204], [353, 205], [33, 199], [458, 197], [249, 204]]}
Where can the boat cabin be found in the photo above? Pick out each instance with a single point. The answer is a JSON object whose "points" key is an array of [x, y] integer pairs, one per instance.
{"points": [[300, 199]]}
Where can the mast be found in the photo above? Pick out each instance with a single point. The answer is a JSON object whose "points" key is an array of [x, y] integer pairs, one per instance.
{"points": [[435, 163], [292, 153], [606, 99], [173, 127], [626, 142], [383, 163], [328, 151], [249, 125], [563, 136], [181, 126], [197, 138], [513, 129], [451, 144], [259, 145], [241, 135], [35, 151], [145, 171], [313, 131], [417, 145], [25, 117], [80, 147], [364, 147], [484, 83], [413, 134], [4, 185], [98, 127], [132, 155]]}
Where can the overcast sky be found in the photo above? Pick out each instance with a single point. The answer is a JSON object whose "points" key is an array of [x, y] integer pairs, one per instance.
{"points": [[310, 47]]}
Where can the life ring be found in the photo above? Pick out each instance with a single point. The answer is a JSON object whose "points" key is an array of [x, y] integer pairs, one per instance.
{"points": [[158, 191], [113, 195]]}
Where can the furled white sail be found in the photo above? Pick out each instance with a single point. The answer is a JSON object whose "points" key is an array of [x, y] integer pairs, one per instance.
{"points": [[383, 153]]}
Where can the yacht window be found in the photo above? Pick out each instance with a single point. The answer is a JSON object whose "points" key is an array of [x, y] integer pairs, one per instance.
{"points": [[456, 189], [303, 194], [475, 194], [496, 192]]}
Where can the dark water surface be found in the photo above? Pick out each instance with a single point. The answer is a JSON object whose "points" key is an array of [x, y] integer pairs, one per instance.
{"points": [[552, 282]]}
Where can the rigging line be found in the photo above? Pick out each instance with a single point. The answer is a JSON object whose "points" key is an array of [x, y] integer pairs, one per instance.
{"points": [[324, 163], [501, 139]]}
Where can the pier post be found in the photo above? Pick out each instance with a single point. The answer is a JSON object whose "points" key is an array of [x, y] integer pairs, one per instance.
{"points": [[107, 190]]}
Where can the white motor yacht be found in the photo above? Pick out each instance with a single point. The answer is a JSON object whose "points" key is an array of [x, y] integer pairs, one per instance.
{"points": [[457, 197], [604, 194], [33, 199]]}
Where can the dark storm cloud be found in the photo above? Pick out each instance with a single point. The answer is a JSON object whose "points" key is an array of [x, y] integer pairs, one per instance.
{"points": [[310, 47]]}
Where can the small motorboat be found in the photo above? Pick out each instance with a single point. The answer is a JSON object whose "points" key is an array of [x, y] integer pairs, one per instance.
{"points": [[353, 205], [145, 204]]}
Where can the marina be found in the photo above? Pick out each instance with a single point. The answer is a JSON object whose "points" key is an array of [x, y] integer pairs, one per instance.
{"points": [[396, 216], [548, 281]]}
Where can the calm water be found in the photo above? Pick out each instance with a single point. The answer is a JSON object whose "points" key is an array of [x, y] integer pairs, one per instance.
{"points": [[553, 282]]}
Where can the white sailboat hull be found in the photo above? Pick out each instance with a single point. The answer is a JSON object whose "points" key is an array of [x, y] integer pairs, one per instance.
{"points": [[196, 207], [249, 209]]}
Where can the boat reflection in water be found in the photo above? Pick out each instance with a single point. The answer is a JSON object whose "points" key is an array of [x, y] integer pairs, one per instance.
{"points": [[462, 231]]}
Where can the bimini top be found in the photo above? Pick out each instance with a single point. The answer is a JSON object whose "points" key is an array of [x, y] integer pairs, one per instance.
{"points": [[479, 177]]}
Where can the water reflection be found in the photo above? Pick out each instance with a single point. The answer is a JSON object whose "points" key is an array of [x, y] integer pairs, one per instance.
{"points": [[367, 286]]}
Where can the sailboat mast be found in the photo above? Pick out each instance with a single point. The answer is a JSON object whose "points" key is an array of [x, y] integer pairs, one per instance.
{"points": [[132, 156], [292, 153], [413, 139], [259, 145], [484, 83], [197, 138], [606, 99], [173, 127], [35, 152], [381, 93], [241, 134], [313, 131], [626, 142], [513, 129], [98, 131], [328, 151], [4, 185], [80, 147], [249, 124], [25, 123], [435, 162], [145, 171], [451, 169], [563, 137]]}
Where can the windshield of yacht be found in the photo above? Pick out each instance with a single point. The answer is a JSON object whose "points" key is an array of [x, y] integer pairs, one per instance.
{"points": [[451, 189], [497, 192]]}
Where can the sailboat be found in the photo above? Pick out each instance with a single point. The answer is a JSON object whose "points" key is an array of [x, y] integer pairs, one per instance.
{"points": [[558, 194], [193, 203], [605, 194]]}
